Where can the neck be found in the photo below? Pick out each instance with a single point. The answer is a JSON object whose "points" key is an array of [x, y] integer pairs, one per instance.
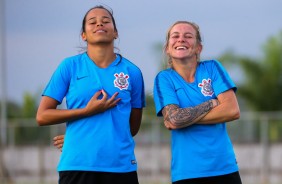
{"points": [[103, 55], [185, 68]]}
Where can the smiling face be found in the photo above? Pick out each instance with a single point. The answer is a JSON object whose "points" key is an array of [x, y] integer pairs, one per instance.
{"points": [[183, 42], [99, 27]]}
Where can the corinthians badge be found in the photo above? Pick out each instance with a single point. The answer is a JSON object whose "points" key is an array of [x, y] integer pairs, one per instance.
{"points": [[206, 87], [121, 81]]}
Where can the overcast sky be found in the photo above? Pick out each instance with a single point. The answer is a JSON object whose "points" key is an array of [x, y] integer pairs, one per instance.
{"points": [[41, 33]]}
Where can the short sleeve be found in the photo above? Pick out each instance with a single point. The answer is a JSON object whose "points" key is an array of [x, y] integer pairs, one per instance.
{"points": [[138, 90], [164, 92], [221, 79], [59, 82]]}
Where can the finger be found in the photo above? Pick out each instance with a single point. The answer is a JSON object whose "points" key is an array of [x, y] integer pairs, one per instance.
{"points": [[105, 95], [114, 103], [58, 137], [59, 146], [97, 94], [111, 104], [58, 142], [115, 95], [55, 138], [112, 99]]}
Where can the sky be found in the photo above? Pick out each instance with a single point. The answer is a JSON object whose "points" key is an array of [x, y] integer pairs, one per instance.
{"points": [[39, 34]]}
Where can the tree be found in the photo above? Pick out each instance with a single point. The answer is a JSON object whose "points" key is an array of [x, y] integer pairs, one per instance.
{"points": [[262, 84], [29, 106]]}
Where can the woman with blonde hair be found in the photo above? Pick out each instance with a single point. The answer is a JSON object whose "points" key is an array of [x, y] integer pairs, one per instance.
{"points": [[202, 152]]}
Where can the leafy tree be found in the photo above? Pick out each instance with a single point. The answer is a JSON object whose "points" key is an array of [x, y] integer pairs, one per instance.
{"points": [[262, 82], [150, 106], [29, 106], [161, 57], [13, 110]]}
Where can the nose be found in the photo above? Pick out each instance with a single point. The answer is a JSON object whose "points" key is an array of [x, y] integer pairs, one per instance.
{"points": [[181, 39], [99, 24]]}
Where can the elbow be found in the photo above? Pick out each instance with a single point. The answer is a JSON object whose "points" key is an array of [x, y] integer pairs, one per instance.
{"points": [[134, 132], [235, 114], [172, 125], [173, 128], [40, 120]]}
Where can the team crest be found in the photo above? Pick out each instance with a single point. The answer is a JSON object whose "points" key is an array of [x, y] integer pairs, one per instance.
{"points": [[206, 87], [121, 81]]}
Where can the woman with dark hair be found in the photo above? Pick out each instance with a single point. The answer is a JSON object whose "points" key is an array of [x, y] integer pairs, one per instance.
{"points": [[104, 96]]}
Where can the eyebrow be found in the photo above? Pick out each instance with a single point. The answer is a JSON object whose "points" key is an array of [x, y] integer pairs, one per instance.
{"points": [[173, 33], [103, 17]]}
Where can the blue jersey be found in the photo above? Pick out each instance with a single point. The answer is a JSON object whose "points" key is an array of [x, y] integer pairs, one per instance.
{"points": [[197, 150], [102, 142]]}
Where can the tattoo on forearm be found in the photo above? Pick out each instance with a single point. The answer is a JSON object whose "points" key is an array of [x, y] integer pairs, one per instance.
{"points": [[183, 117]]}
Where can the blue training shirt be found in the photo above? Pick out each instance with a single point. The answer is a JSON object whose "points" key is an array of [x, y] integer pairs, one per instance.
{"points": [[102, 142], [197, 150]]}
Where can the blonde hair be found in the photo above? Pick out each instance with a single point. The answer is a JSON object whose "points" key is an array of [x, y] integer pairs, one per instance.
{"points": [[198, 36]]}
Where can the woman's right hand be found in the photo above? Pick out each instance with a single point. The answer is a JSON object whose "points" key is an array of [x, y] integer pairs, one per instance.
{"points": [[96, 105], [215, 102], [58, 141]]}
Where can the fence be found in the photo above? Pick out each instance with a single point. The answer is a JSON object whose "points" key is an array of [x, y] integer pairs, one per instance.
{"points": [[29, 156]]}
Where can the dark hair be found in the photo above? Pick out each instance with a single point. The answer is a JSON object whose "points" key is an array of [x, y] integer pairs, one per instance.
{"points": [[110, 11]]}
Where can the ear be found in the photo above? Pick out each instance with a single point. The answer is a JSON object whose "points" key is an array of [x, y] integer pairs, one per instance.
{"points": [[115, 35], [166, 50], [83, 36], [200, 47]]}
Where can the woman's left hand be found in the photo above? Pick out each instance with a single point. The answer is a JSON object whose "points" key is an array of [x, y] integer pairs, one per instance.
{"points": [[58, 141]]}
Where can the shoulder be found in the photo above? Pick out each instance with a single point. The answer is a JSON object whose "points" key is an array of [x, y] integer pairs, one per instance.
{"points": [[165, 73], [165, 76], [72, 61], [211, 65], [130, 65], [74, 58], [209, 62]]}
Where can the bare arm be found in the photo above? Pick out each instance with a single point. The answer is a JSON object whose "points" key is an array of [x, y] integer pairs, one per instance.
{"points": [[48, 114], [175, 117], [227, 110], [135, 120]]}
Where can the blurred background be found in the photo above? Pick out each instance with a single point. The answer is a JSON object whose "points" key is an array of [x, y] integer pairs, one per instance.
{"points": [[246, 36]]}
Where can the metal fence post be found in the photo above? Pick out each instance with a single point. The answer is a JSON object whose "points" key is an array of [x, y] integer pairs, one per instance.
{"points": [[156, 135], [265, 149]]}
